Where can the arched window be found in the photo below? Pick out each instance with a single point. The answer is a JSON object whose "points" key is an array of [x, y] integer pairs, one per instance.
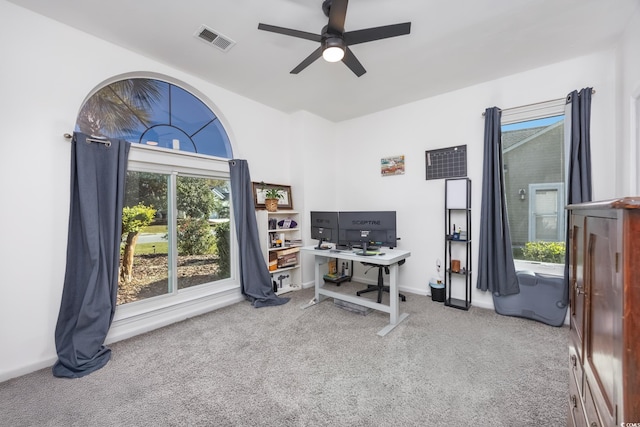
{"points": [[176, 215], [154, 113]]}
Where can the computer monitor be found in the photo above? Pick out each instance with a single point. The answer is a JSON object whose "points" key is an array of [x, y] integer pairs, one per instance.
{"points": [[367, 229], [324, 227]]}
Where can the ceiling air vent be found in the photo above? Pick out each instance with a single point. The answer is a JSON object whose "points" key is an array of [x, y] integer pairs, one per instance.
{"points": [[214, 38]]}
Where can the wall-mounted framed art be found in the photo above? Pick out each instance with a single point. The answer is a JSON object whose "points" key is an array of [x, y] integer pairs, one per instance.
{"points": [[393, 165]]}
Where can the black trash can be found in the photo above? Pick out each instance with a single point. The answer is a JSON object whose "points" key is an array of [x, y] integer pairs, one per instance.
{"points": [[437, 291]]}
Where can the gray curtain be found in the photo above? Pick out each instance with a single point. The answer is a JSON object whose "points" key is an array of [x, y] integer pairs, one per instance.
{"points": [[255, 280], [578, 113], [496, 270], [93, 255]]}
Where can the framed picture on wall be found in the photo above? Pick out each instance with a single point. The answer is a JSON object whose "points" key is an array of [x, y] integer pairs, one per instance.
{"points": [[260, 190], [392, 165]]}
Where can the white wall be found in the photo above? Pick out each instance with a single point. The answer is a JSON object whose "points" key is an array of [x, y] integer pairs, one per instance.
{"points": [[628, 112], [313, 144], [452, 119], [330, 166]]}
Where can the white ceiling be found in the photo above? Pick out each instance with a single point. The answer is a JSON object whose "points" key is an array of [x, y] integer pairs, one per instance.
{"points": [[452, 44]]}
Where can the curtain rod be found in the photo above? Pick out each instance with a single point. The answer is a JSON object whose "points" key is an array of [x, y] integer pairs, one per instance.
{"points": [[593, 91], [106, 142]]}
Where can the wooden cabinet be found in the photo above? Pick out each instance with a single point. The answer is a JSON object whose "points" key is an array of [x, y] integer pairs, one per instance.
{"points": [[280, 241], [604, 292]]}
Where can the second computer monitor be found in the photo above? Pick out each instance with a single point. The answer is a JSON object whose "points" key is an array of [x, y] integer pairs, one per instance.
{"points": [[367, 229]]}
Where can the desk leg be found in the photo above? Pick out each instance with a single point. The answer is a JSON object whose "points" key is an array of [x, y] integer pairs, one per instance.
{"points": [[318, 261], [393, 294], [394, 304], [318, 277]]}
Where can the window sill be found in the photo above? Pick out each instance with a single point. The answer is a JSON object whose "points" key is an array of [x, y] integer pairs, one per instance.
{"points": [[540, 267]]}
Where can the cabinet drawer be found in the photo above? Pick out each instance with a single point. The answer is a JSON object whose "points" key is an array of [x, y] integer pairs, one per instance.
{"points": [[576, 411], [590, 407], [575, 343], [576, 369]]}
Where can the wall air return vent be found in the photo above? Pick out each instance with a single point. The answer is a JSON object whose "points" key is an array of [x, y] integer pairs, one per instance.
{"points": [[214, 38]]}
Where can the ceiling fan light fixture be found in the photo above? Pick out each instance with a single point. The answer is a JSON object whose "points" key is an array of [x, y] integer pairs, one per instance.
{"points": [[333, 50], [335, 41]]}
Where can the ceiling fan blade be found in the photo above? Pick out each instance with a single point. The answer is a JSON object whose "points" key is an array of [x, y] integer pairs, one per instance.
{"points": [[308, 60], [289, 32], [337, 15], [352, 62], [376, 33]]}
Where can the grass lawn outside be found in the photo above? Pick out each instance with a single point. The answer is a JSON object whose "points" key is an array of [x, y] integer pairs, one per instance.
{"points": [[152, 248]]}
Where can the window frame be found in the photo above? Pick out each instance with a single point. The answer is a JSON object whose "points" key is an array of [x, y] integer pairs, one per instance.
{"points": [[148, 314], [525, 113], [535, 111], [137, 317], [167, 161]]}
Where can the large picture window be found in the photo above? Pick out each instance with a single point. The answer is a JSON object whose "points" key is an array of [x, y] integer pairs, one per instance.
{"points": [[176, 212], [534, 170]]}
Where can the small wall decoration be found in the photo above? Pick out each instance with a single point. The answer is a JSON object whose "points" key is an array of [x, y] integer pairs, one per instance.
{"points": [[392, 165], [260, 188]]}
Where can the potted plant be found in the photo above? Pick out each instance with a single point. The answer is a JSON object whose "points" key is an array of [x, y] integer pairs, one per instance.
{"points": [[271, 198]]}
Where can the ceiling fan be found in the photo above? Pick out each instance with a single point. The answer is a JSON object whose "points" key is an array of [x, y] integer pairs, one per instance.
{"points": [[334, 41]]}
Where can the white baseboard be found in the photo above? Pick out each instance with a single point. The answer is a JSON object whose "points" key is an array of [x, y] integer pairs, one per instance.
{"points": [[27, 369]]}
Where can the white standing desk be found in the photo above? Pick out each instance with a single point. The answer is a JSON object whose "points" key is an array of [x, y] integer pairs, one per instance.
{"points": [[390, 258]]}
